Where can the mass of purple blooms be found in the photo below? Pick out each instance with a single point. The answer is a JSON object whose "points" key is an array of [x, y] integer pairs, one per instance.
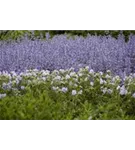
{"points": [[100, 53]]}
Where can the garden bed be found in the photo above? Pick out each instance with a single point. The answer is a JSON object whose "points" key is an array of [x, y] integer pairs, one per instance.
{"points": [[67, 78]]}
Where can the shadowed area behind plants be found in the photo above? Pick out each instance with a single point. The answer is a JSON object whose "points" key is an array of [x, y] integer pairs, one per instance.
{"points": [[15, 34]]}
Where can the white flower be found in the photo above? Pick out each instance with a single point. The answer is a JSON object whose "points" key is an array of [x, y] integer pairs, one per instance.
{"points": [[6, 74], [126, 78], [112, 83], [104, 82], [130, 80], [101, 87], [44, 78], [108, 71], [72, 73], [9, 85], [118, 87], [74, 92], [104, 90], [62, 78], [19, 78], [113, 79], [86, 79], [109, 91], [91, 71], [101, 81], [62, 70], [87, 67], [38, 81], [13, 73], [9, 76], [4, 85], [75, 79], [22, 87], [80, 69], [55, 88], [14, 89], [34, 74], [22, 74], [133, 95], [55, 72], [133, 75], [101, 73], [64, 89], [75, 85], [17, 81], [67, 76], [35, 70], [70, 83], [96, 75], [91, 83], [80, 92], [107, 76], [3, 95], [123, 91], [117, 77], [80, 74], [28, 74], [57, 78], [29, 81], [45, 72], [71, 69]]}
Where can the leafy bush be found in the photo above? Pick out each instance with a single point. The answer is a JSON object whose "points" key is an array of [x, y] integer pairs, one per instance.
{"points": [[66, 94], [19, 34], [15, 34]]}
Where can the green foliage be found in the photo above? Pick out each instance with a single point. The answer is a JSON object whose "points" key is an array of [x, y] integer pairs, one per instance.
{"points": [[40, 101], [15, 34]]}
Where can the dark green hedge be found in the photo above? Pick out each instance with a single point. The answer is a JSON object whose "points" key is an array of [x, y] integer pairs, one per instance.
{"points": [[15, 34]]}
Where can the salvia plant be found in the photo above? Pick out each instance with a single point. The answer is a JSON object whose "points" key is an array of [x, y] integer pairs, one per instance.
{"points": [[98, 52]]}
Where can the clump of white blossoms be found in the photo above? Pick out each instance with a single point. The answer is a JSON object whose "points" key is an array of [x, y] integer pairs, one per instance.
{"points": [[123, 90], [74, 92], [3, 95], [91, 83], [133, 95], [64, 89], [80, 92]]}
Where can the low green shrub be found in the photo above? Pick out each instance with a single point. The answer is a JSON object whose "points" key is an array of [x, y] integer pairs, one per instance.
{"points": [[66, 95]]}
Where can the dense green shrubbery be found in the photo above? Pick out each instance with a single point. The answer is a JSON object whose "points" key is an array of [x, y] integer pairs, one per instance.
{"points": [[113, 33], [18, 34], [14, 34], [66, 94]]}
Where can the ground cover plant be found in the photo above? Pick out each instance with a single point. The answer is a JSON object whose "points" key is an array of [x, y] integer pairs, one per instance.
{"points": [[67, 78]]}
